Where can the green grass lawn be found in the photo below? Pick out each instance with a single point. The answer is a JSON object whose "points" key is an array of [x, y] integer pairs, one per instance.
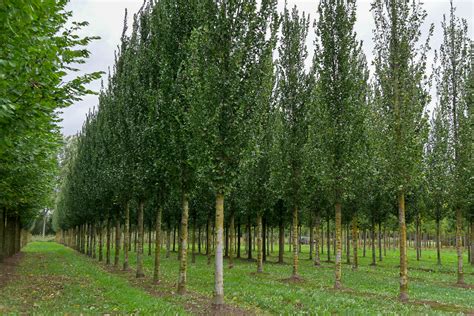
{"points": [[368, 290], [55, 279]]}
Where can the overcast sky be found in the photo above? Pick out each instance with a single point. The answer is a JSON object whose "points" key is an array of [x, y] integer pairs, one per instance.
{"points": [[105, 19]]}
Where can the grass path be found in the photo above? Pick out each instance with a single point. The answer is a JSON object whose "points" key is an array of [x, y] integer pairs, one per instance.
{"points": [[52, 279]]}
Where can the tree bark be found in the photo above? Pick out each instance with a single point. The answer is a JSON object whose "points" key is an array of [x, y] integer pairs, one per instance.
{"points": [[219, 271], [231, 241], [2, 235], [126, 240], [249, 234], [311, 237], [380, 240], [338, 268], [355, 234], [459, 245], [140, 272], [259, 244], [372, 233], [107, 251], [472, 241], [117, 242], [101, 243], [208, 240], [295, 242], [193, 250], [438, 241], [348, 245], [239, 237], [317, 260], [156, 270], [403, 248], [184, 245], [328, 240], [281, 240], [168, 241]]}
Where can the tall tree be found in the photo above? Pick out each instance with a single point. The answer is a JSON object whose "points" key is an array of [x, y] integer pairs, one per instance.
{"points": [[400, 66]]}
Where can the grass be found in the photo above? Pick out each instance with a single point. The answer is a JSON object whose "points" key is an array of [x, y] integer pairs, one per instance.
{"points": [[66, 281], [53, 279], [368, 290]]}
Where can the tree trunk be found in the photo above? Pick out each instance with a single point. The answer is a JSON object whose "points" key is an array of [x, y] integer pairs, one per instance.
{"points": [[156, 270], [372, 233], [168, 241], [107, 251], [231, 241], [45, 216], [338, 268], [208, 240], [403, 248], [295, 242], [149, 238], [259, 244], [101, 243], [184, 246], [365, 242], [355, 234], [249, 234], [417, 237], [438, 241], [281, 240], [117, 242], [348, 245], [126, 236], [311, 237], [264, 239], [380, 241], [219, 267], [472, 241], [317, 260], [459, 245], [140, 272], [193, 250], [239, 236], [2, 235], [328, 240]]}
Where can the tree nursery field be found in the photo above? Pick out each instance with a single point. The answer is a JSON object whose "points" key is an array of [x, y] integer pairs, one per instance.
{"points": [[241, 157]]}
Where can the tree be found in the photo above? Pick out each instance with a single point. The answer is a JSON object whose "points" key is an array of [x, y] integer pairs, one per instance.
{"points": [[400, 72], [452, 75], [337, 60]]}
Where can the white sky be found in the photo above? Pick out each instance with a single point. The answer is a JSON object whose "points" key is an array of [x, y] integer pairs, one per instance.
{"points": [[105, 19]]}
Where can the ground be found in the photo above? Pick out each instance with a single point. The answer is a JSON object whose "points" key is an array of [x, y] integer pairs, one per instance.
{"points": [[48, 278]]}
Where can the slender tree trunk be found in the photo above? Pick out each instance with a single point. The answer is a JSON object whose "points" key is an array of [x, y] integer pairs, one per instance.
{"points": [[374, 263], [2, 235], [348, 245], [107, 251], [239, 237], [355, 234], [295, 242], [199, 239], [208, 240], [438, 241], [403, 248], [417, 237], [219, 266], [140, 272], [459, 245], [149, 238], [317, 260], [249, 233], [338, 268], [117, 242], [101, 243], [184, 246], [380, 241], [126, 236], [328, 240], [311, 237], [231, 241], [259, 244], [168, 241], [472, 241], [365, 242], [156, 271], [193, 259], [264, 239], [281, 240]]}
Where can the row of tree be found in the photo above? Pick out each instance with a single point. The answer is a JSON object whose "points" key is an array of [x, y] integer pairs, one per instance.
{"points": [[37, 49], [211, 101]]}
